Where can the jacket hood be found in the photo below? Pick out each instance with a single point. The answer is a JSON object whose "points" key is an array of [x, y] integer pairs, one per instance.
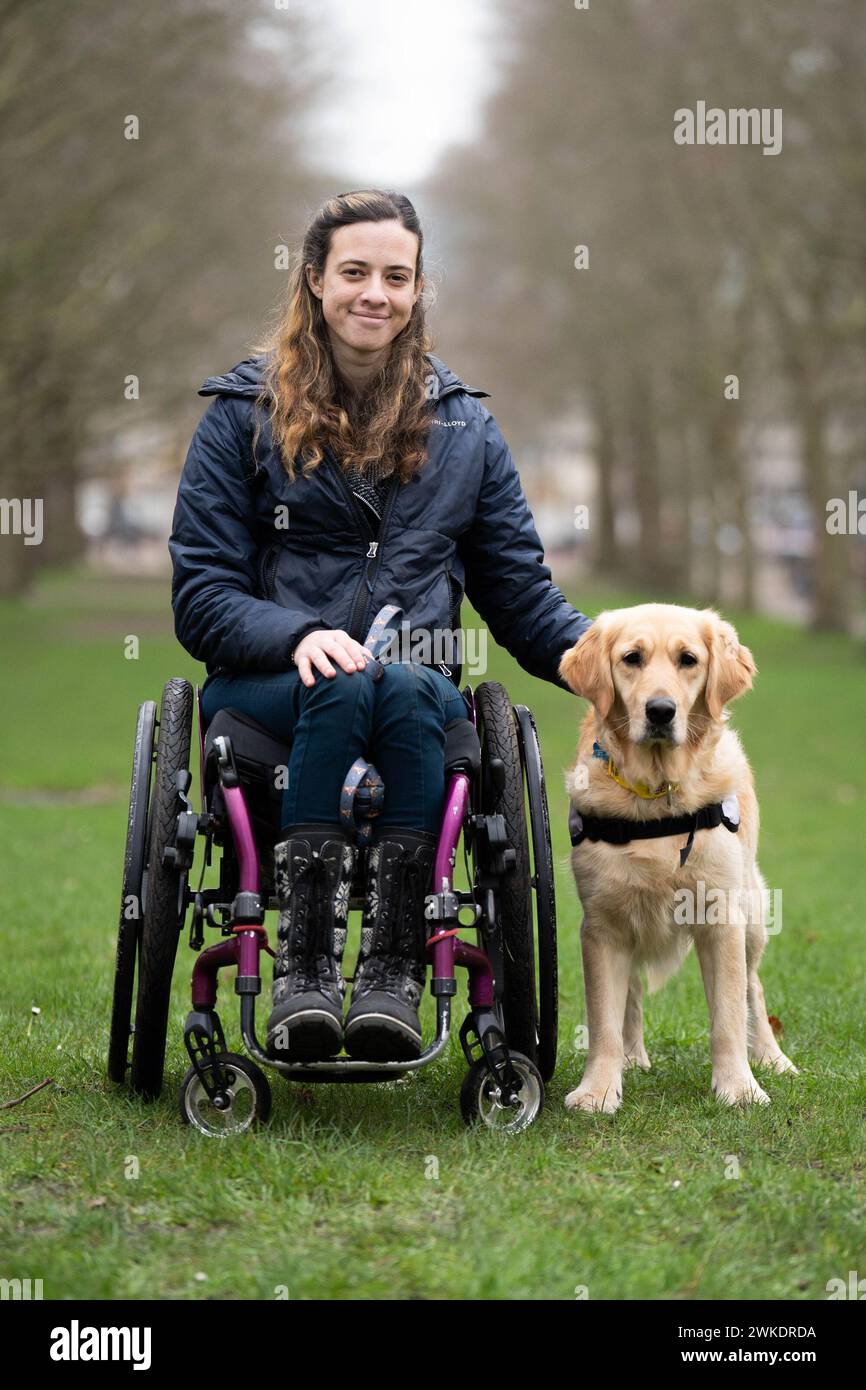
{"points": [[245, 380]]}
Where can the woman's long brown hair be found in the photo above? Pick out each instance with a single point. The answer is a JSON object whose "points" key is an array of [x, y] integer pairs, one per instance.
{"points": [[384, 429]]}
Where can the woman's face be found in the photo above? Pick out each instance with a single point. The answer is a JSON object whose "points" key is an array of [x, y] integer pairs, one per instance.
{"points": [[368, 287]]}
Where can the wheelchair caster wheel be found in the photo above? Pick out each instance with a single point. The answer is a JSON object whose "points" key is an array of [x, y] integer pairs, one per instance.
{"points": [[480, 1099], [245, 1103]]}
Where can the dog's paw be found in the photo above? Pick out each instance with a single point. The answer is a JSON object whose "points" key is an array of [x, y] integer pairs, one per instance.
{"points": [[595, 1100], [775, 1061], [638, 1058], [739, 1090]]}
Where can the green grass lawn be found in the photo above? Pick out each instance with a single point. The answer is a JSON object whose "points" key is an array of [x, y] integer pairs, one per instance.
{"points": [[106, 1197]]}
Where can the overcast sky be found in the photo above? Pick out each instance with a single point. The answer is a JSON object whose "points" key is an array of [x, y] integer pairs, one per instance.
{"points": [[412, 75]]}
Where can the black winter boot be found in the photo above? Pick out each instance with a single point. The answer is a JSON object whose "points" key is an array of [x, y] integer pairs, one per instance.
{"points": [[382, 1024], [313, 868]]}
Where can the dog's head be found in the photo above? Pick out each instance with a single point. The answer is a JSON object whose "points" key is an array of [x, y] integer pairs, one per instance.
{"points": [[658, 674]]}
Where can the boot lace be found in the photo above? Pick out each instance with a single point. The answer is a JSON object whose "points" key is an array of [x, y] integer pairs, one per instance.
{"points": [[311, 901], [407, 936]]}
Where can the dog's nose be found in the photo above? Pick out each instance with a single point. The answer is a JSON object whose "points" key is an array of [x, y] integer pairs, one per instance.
{"points": [[660, 712]]}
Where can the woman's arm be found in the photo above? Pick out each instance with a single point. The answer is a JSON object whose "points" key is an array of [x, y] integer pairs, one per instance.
{"points": [[507, 580], [215, 551]]}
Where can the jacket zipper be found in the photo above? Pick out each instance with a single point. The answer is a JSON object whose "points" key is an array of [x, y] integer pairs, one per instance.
{"points": [[452, 614], [364, 528], [269, 570], [360, 603], [357, 510], [454, 607], [374, 551], [374, 557], [372, 554]]}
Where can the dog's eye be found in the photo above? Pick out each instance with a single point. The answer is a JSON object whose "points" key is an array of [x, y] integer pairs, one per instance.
{"points": [[688, 659], [632, 658]]}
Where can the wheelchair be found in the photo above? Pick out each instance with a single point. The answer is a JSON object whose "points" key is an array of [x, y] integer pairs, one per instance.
{"points": [[495, 800]]}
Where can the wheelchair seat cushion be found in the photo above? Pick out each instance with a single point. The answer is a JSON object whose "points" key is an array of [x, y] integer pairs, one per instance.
{"points": [[258, 754], [462, 748], [251, 741]]}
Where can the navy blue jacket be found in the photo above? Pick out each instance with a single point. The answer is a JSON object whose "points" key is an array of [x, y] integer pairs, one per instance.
{"points": [[247, 587]]}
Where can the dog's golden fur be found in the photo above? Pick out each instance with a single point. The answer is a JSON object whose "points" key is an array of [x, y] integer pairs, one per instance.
{"points": [[629, 657]]}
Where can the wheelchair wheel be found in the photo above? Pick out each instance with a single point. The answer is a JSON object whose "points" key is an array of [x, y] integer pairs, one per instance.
{"points": [[130, 895], [543, 885], [164, 894], [514, 956], [480, 1103], [248, 1098]]}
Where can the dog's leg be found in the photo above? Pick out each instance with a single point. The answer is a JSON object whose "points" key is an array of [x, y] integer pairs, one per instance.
{"points": [[764, 1051], [632, 1031], [606, 969], [722, 954]]}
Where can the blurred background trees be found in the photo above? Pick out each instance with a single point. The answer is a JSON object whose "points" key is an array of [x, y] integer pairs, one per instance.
{"points": [[141, 252], [704, 262], [155, 258]]}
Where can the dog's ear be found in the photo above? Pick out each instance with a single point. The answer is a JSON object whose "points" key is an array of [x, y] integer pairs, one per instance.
{"points": [[585, 668], [731, 667]]}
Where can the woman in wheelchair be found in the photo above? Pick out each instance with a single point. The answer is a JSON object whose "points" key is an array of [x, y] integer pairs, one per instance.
{"points": [[339, 469]]}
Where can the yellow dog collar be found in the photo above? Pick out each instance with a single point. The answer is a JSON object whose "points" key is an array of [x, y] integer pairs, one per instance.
{"points": [[641, 789]]}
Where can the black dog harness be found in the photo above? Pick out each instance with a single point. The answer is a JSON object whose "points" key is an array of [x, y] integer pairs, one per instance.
{"points": [[616, 830]]}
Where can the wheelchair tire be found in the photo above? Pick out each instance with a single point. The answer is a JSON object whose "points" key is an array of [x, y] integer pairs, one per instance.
{"points": [[249, 1094], [543, 884], [164, 894], [130, 895], [478, 1097], [497, 728]]}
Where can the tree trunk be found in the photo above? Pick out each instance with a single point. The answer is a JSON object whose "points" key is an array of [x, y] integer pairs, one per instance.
{"points": [[15, 556], [743, 521], [64, 542], [647, 491], [606, 557], [830, 561]]}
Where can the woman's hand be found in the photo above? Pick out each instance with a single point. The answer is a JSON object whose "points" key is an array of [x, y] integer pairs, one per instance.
{"points": [[318, 646]]}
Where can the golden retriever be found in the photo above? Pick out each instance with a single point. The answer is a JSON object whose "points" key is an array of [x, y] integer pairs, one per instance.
{"points": [[656, 743]]}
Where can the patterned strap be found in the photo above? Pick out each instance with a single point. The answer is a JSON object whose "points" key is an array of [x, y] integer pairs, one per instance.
{"points": [[379, 626], [361, 799]]}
